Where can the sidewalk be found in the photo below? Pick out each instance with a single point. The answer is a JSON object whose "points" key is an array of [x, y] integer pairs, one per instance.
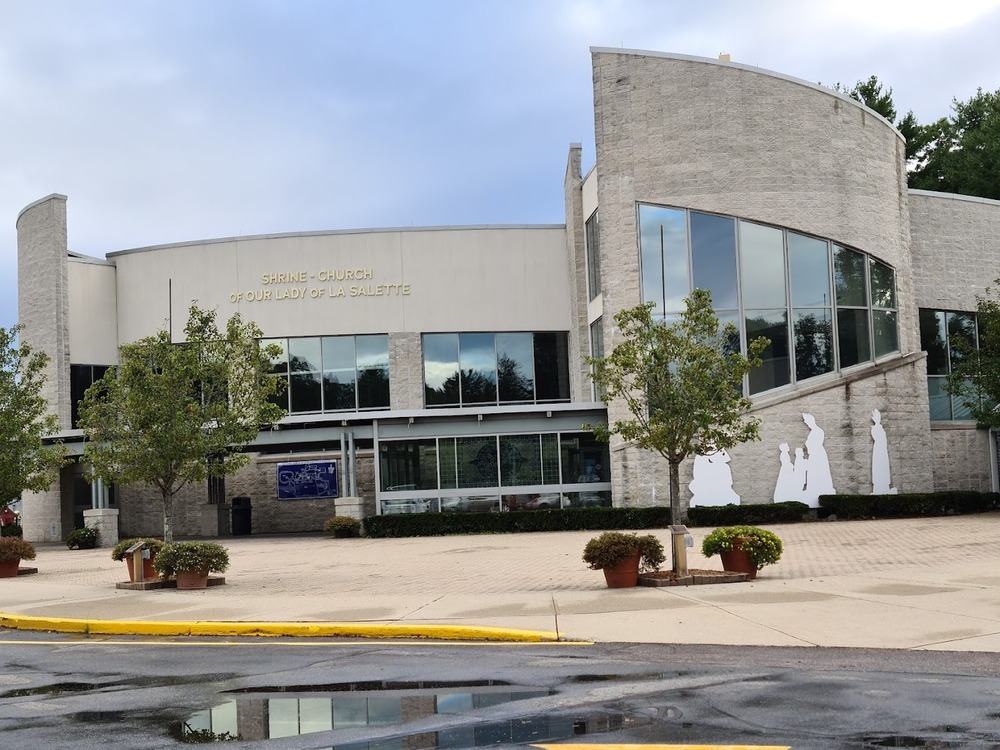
{"points": [[912, 584]]}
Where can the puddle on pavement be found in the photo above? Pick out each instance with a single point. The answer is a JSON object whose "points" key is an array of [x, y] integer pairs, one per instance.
{"points": [[269, 713], [900, 740], [56, 689]]}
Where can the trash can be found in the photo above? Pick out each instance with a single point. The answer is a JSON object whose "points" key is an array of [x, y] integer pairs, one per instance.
{"points": [[241, 516]]}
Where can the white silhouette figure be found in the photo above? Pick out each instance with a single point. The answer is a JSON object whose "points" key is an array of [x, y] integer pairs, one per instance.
{"points": [[801, 473], [881, 481], [819, 480], [791, 476], [712, 483]]}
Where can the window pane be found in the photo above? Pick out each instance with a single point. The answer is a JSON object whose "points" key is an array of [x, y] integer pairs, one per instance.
{"points": [[713, 257], [279, 363], [959, 410], [373, 388], [281, 397], [961, 335], [350, 711], [886, 334], [852, 335], [373, 351], [515, 367], [306, 392], [584, 458], [593, 257], [934, 341], [849, 277], [477, 357], [939, 399], [809, 271], [883, 285], [520, 460], [813, 343], [384, 709], [441, 369], [338, 390], [282, 717], [408, 465], [550, 459], [774, 371], [597, 351], [448, 462], [763, 262], [315, 715], [338, 353], [664, 257], [477, 462], [551, 366], [304, 355]]}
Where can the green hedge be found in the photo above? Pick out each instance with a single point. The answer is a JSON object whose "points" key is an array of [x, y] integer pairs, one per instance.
{"points": [[11, 529], [747, 515], [910, 504], [568, 519]]}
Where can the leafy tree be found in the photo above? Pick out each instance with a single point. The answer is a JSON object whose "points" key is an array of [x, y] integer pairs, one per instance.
{"points": [[170, 414], [682, 384], [26, 463], [872, 95], [975, 370]]}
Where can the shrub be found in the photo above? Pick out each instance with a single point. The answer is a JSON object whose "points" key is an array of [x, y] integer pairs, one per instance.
{"points": [[342, 527], [742, 515], [85, 538], [764, 547], [610, 548], [204, 557], [154, 545], [908, 504], [11, 529], [15, 548]]}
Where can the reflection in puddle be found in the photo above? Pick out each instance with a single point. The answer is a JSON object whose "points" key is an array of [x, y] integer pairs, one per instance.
{"points": [[255, 717], [57, 689]]}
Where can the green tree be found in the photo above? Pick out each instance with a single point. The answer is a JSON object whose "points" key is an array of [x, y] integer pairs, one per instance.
{"points": [[26, 463], [682, 384], [975, 369], [170, 414], [961, 153]]}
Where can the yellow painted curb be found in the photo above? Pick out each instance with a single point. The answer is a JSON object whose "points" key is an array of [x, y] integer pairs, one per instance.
{"points": [[276, 629]]}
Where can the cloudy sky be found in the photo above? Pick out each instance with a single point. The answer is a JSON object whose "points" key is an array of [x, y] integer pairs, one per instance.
{"points": [[171, 120]]}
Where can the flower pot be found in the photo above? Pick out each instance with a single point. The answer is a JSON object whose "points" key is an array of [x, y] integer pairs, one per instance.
{"points": [[148, 571], [738, 561], [625, 574], [8, 568], [192, 579]]}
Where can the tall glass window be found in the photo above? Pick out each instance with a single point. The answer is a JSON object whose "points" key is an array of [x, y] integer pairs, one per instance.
{"points": [[332, 373], [593, 256], [939, 330], [822, 305], [465, 369], [81, 377], [597, 350]]}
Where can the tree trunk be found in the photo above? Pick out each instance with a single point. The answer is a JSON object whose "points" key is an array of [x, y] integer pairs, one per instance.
{"points": [[168, 529], [676, 515]]}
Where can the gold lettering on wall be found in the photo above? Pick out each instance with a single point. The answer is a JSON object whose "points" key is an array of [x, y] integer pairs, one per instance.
{"points": [[299, 284]]}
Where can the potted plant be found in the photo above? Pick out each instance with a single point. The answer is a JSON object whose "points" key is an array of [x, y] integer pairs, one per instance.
{"points": [[342, 527], [148, 543], [191, 562], [85, 538], [743, 549], [13, 549], [621, 556]]}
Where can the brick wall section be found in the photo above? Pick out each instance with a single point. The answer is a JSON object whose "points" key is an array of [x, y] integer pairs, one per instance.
{"points": [[579, 333], [141, 510], [724, 138], [43, 307]]}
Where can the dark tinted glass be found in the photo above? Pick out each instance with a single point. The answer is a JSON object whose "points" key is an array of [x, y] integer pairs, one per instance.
{"points": [[515, 367], [852, 330], [304, 355], [886, 333], [961, 335], [939, 398], [883, 285], [373, 388], [279, 363], [441, 369], [849, 277], [408, 465], [713, 257], [934, 341], [520, 460], [551, 366], [774, 370], [593, 256], [813, 331], [338, 390], [584, 458], [476, 462], [305, 392], [477, 358]]}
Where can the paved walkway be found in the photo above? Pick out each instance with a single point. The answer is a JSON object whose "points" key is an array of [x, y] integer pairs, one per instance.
{"points": [[912, 584]]}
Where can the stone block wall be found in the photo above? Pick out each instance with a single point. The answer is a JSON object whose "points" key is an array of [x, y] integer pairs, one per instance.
{"points": [[406, 371], [962, 458]]}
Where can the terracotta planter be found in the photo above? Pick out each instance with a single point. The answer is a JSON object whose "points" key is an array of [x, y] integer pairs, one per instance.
{"points": [[192, 579], [148, 571], [625, 574], [8, 568], [738, 561]]}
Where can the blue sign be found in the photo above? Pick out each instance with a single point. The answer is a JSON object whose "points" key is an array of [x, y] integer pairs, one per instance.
{"points": [[307, 480]]}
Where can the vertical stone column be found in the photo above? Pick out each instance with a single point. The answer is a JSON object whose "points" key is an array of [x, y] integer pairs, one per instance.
{"points": [[43, 310], [105, 520], [579, 333]]}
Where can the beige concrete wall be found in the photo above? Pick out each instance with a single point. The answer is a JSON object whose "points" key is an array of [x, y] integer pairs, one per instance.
{"points": [[93, 319], [726, 138], [955, 242], [463, 279], [961, 457]]}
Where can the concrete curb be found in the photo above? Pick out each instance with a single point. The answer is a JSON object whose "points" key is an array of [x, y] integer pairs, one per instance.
{"points": [[277, 629]]}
